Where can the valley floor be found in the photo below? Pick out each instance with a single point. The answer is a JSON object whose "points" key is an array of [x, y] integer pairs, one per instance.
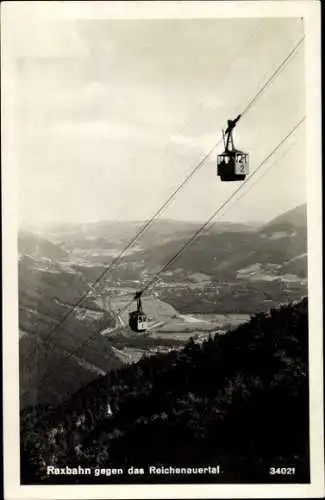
{"points": [[168, 329]]}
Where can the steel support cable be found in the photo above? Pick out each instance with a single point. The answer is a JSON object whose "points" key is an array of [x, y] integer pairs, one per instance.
{"points": [[169, 200], [275, 74], [189, 242], [177, 190]]}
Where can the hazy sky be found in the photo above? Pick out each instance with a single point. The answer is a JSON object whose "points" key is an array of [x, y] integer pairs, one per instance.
{"points": [[113, 114]]}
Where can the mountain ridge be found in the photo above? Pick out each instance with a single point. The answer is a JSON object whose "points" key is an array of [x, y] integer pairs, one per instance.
{"points": [[236, 250]]}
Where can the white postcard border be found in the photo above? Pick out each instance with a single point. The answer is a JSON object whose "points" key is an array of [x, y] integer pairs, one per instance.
{"points": [[21, 12]]}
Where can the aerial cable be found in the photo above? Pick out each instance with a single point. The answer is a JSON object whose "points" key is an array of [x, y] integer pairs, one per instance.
{"points": [[189, 242], [277, 72], [145, 226], [178, 189], [157, 213], [172, 196]]}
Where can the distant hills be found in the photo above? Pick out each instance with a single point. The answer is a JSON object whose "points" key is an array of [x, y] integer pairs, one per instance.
{"points": [[116, 234], [223, 253], [226, 248], [36, 246], [295, 218]]}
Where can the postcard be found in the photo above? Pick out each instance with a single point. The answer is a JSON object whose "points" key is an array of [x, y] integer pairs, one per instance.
{"points": [[162, 243]]}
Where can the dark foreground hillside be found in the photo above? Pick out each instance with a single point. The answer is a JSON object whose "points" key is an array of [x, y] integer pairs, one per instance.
{"points": [[239, 401]]}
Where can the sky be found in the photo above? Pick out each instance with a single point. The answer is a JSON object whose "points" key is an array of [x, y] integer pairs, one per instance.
{"points": [[113, 114]]}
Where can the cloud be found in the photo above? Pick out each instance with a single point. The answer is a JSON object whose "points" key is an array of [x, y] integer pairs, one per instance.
{"points": [[196, 142], [94, 131], [45, 39]]}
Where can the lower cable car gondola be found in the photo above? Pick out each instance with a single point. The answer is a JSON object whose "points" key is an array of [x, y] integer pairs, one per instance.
{"points": [[138, 321], [232, 164]]}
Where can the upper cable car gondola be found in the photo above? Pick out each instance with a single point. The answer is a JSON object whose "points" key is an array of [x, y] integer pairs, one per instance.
{"points": [[138, 321], [232, 164]]}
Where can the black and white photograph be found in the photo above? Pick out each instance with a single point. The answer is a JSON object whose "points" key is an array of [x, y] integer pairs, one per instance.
{"points": [[162, 249]]}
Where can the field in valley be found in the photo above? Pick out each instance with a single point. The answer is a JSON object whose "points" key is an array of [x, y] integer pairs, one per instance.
{"points": [[167, 327]]}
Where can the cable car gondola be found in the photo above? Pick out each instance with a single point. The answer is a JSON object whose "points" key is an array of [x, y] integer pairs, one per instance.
{"points": [[232, 164], [138, 321]]}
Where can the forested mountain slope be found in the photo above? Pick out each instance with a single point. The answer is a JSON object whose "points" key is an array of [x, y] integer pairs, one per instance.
{"points": [[47, 293], [239, 400]]}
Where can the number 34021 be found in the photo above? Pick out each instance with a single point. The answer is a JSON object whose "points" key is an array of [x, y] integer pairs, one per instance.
{"points": [[283, 471]]}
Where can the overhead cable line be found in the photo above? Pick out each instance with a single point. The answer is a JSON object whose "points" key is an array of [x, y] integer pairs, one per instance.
{"points": [[278, 70], [107, 269], [274, 75], [92, 285], [191, 240], [177, 190]]}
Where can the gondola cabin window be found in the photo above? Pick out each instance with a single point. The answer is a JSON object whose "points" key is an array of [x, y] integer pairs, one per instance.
{"points": [[142, 322], [241, 164]]}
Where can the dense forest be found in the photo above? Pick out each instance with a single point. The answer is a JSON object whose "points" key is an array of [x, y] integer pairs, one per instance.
{"points": [[239, 400]]}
